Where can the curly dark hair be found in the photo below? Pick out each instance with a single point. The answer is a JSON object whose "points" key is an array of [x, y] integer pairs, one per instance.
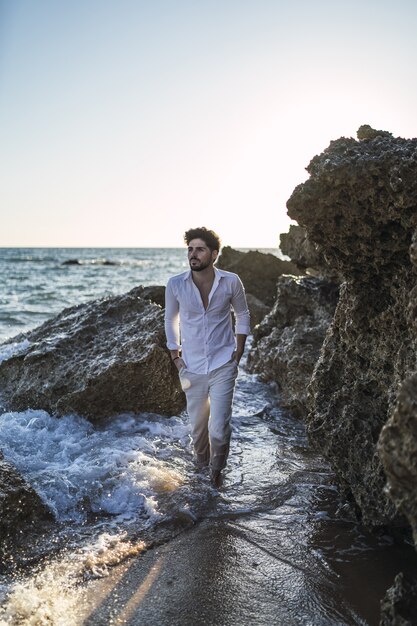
{"points": [[210, 238]]}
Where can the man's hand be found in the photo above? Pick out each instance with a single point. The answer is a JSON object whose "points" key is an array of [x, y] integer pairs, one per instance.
{"points": [[240, 347], [237, 355], [177, 359], [179, 363]]}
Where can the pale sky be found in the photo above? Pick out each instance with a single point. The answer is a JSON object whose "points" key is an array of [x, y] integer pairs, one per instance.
{"points": [[124, 123]]}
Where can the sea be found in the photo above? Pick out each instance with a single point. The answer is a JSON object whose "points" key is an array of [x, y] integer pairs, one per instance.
{"points": [[124, 485]]}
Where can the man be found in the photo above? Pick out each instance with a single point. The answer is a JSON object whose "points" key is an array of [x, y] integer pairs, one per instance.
{"points": [[204, 347]]}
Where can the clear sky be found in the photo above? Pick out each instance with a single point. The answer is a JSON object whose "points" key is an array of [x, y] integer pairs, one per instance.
{"points": [[125, 122]]}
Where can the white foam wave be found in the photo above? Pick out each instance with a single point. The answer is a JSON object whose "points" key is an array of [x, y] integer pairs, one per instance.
{"points": [[117, 469]]}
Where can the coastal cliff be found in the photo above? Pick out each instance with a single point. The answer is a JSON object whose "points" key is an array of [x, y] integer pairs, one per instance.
{"points": [[359, 208]]}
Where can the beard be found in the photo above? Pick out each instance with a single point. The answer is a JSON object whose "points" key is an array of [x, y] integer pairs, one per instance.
{"points": [[201, 265]]}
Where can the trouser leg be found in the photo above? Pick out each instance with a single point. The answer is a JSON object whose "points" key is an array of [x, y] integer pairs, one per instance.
{"points": [[198, 409], [221, 389]]}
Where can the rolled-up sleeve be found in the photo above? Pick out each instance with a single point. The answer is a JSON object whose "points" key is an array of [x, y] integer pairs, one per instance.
{"points": [[172, 318], [240, 308]]}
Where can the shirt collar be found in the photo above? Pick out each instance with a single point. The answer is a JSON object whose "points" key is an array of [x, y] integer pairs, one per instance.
{"points": [[218, 274]]}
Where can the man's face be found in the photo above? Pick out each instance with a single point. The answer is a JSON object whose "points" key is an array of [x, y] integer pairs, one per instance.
{"points": [[199, 255]]}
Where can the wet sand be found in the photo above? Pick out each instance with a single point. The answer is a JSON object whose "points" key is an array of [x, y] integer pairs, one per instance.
{"points": [[204, 576], [239, 571]]}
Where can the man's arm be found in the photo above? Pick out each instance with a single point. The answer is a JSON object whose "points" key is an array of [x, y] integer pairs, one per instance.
{"points": [[172, 324], [240, 347], [242, 315]]}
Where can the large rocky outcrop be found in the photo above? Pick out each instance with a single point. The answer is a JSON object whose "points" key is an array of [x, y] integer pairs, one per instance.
{"points": [[20, 506], [359, 207], [287, 342], [96, 359]]}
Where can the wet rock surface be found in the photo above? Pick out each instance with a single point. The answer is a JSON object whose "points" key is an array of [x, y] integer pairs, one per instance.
{"points": [[96, 359], [398, 607], [360, 208], [287, 343], [20, 505]]}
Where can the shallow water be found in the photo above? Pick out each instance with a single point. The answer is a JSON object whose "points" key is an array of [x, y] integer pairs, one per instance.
{"points": [[36, 283], [131, 482]]}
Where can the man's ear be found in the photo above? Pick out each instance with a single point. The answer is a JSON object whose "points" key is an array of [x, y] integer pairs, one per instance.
{"points": [[214, 254]]}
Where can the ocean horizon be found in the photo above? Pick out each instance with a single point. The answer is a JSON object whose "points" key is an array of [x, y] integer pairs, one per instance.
{"points": [[36, 283]]}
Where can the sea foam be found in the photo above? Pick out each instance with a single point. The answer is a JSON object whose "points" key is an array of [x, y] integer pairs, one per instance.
{"points": [[118, 468]]}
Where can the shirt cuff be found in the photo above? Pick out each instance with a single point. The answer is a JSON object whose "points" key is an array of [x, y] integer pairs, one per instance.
{"points": [[173, 346], [242, 328]]}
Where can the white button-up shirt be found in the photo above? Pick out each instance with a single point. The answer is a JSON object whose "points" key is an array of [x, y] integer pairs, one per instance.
{"points": [[205, 336]]}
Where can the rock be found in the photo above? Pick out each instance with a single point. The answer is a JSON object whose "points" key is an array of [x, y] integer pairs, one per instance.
{"points": [[397, 444], [257, 310], [366, 132], [302, 252], [258, 271], [154, 293], [397, 448], [359, 208], [287, 342], [399, 606], [88, 262], [97, 359], [20, 505], [296, 245]]}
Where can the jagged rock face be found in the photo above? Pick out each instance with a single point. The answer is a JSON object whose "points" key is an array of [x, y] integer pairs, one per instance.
{"points": [[257, 310], [399, 606], [360, 207], [97, 359], [353, 390], [258, 271], [20, 505], [398, 450], [287, 343], [296, 245], [398, 440]]}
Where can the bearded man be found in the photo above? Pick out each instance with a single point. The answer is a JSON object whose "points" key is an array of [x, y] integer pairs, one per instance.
{"points": [[204, 346]]}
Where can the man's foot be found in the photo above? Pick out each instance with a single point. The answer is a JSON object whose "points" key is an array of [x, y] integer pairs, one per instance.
{"points": [[216, 478]]}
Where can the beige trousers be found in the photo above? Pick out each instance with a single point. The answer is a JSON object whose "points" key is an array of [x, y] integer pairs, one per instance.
{"points": [[209, 406]]}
